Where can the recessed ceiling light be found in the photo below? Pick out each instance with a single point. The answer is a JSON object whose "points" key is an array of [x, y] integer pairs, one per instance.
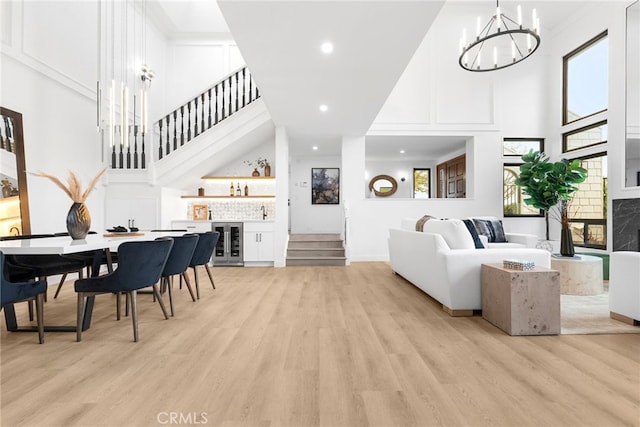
{"points": [[401, 151], [315, 147], [326, 47], [323, 108]]}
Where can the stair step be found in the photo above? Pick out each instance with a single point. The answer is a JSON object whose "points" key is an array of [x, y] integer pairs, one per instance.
{"points": [[312, 261], [315, 252], [306, 244], [315, 237]]}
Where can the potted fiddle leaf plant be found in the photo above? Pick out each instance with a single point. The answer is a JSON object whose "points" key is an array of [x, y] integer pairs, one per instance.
{"points": [[549, 185]]}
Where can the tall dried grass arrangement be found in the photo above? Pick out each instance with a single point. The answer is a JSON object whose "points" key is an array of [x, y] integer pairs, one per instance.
{"points": [[74, 188]]}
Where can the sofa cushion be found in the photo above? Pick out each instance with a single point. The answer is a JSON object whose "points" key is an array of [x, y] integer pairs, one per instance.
{"points": [[453, 231], [474, 233], [492, 228]]}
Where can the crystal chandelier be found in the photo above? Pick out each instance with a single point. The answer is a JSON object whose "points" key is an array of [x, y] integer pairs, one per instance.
{"points": [[502, 42]]}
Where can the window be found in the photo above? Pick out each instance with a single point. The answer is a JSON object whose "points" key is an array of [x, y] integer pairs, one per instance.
{"points": [[519, 146], [422, 183], [588, 208], [586, 79], [513, 197], [585, 137]]}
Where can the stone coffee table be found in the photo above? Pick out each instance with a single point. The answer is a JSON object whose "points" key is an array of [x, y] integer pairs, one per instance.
{"points": [[579, 274]]}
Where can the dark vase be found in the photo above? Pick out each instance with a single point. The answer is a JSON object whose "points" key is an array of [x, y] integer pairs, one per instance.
{"points": [[78, 221], [566, 242], [255, 172], [267, 169]]}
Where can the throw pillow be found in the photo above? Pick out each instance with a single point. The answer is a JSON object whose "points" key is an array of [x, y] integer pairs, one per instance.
{"points": [[498, 231], [474, 233], [453, 231], [483, 226], [492, 228]]}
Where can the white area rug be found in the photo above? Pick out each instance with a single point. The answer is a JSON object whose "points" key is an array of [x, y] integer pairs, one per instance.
{"points": [[580, 315]]}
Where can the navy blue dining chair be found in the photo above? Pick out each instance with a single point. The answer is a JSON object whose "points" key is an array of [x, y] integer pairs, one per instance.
{"points": [[140, 265], [177, 264], [13, 292], [202, 255]]}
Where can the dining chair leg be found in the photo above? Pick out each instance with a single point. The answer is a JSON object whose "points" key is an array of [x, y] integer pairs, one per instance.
{"points": [[195, 278], [134, 314], [210, 276], [159, 298], [30, 305], [118, 305], [188, 283], [168, 283], [40, 315], [79, 317], [64, 276]]}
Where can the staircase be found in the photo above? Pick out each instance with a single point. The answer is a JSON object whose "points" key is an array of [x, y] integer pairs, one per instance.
{"points": [[315, 249]]}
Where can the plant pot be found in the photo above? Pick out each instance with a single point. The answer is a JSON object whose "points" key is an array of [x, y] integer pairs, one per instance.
{"points": [[78, 221], [566, 243], [255, 172]]}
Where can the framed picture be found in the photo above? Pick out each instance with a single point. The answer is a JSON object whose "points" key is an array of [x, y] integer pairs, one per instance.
{"points": [[200, 212], [325, 186]]}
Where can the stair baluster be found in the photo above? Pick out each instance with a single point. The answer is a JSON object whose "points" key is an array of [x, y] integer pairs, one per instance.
{"points": [[182, 125], [168, 137], [175, 130], [160, 141]]}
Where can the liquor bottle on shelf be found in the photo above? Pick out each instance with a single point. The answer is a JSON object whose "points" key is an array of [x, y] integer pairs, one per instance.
{"points": [[246, 189], [232, 191], [238, 190]]}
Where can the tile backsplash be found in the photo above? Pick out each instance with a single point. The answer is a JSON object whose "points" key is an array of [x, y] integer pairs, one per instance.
{"points": [[235, 209]]}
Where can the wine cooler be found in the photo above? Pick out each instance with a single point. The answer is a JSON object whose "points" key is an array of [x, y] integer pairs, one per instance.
{"points": [[228, 250]]}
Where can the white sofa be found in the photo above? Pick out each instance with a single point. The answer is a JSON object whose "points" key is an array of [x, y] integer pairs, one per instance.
{"points": [[443, 262], [624, 286]]}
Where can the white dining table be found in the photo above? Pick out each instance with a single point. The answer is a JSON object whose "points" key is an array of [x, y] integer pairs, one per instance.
{"points": [[63, 245]]}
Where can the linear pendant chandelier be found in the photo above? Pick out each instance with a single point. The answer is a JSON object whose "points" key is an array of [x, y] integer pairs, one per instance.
{"points": [[502, 42]]}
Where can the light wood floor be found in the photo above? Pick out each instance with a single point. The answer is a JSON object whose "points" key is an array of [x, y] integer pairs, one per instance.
{"points": [[307, 346]]}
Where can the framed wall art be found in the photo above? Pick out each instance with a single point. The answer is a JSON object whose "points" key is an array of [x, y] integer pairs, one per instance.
{"points": [[325, 186], [200, 212]]}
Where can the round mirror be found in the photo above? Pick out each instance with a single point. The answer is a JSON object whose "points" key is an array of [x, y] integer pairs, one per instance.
{"points": [[383, 185]]}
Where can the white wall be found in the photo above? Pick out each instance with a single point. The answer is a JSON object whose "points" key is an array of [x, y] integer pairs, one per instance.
{"points": [[305, 217], [48, 73], [198, 65]]}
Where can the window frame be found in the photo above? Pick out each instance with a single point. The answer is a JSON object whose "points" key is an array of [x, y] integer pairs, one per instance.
{"points": [[587, 221], [539, 140], [413, 176], [565, 76], [583, 129]]}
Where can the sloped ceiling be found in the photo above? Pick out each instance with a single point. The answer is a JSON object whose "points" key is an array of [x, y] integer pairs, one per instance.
{"points": [[373, 43]]}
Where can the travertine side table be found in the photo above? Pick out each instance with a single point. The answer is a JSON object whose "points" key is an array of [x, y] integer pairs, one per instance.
{"points": [[579, 274], [521, 302]]}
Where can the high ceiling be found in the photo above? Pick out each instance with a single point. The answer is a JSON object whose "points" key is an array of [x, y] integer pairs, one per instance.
{"points": [[280, 41]]}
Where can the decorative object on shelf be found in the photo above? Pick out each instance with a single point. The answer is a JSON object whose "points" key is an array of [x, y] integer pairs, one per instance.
{"points": [[325, 186], [232, 190], [259, 163], [246, 189], [550, 185], [200, 191], [200, 212], [78, 217], [502, 42]]}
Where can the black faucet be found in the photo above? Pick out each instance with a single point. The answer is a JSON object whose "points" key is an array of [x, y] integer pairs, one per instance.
{"points": [[264, 212]]}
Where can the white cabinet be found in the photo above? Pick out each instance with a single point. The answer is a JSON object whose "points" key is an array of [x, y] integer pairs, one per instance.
{"points": [[258, 242], [192, 226], [140, 212]]}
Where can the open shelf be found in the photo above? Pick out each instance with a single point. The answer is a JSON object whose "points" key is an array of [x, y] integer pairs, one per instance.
{"points": [[237, 178], [228, 197]]}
